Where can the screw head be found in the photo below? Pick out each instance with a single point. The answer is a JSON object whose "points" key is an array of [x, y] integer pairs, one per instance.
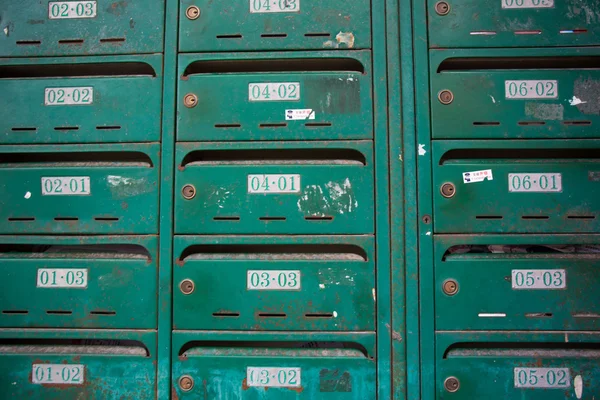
{"points": [[451, 384], [445, 96], [186, 383], [190, 100], [192, 12], [188, 192], [450, 287], [186, 286], [448, 190], [442, 8]]}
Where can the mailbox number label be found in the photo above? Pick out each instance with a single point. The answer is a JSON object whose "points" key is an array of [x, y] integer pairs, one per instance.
{"points": [[274, 6], [62, 278], [71, 9], [68, 96], [273, 183], [65, 185], [273, 377], [545, 182], [547, 378], [274, 91], [527, 3], [66, 374], [531, 89], [539, 279], [273, 280]]}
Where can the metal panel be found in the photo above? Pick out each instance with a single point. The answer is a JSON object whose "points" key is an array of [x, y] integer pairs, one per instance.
{"points": [[117, 99], [122, 189], [42, 29], [232, 97], [502, 202], [273, 25], [502, 93], [95, 282], [512, 23], [332, 188], [276, 283], [487, 365]]}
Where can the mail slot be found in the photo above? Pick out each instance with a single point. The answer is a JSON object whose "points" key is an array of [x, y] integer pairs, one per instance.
{"points": [[65, 366], [275, 96], [57, 28], [516, 187], [274, 283], [91, 100], [108, 188], [515, 93], [274, 187], [514, 365], [273, 25], [520, 282], [511, 23], [283, 369], [83, 282]]}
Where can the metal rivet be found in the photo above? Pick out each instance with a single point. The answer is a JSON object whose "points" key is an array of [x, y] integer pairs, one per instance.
{"points": [[192, 12], [426, 219], [188, 192], [451, 384], [442, 8], [450, 287], [445, 96], [448, 190], [186, 286], [186, 383], [190, 100]]}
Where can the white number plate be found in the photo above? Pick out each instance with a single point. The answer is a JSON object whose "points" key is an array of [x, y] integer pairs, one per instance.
{"points": [[531, 89], [545, 182], [68, 96], [273, 377], [539, 279], [66, 374], [274, 6], [273, 280], [65, 185], [527, 3], [547, 378], [274, 91], [273, 183], [62, 278], [71, 9]]}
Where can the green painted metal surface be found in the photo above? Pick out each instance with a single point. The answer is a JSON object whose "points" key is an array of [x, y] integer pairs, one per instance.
{"points": [[116, 290], [123, 97], [568, 107], [119, 27], [492, 23], [333, 277], [489, 206], [123, 192], [255, 25], [334, 193], [334, 86], [484, 364]]}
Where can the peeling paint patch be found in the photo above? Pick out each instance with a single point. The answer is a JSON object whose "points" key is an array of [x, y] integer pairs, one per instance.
{"points": [[576, 101], [493, 99], [336, 198], [588, 89], [121, 186], [342, 38], [422, 150], [428, 233], [578, 385], [218, 197], [27, 195], [321, 286], [6, 31], [548, 112]]}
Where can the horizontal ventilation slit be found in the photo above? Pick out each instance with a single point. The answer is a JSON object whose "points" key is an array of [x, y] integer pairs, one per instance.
{"points": [[278, 125], [573, 31], [72, 346], [66, 128], [274, 35], [538, 315], [581, 216], [226, 218], [577, 122], [15, 312], [235, 36], [228, 125], [317, 124], [535, 350], [489, 217], [112, 40], [518, 63], [115, 250], [24, 129], [128, 69], [318, 218], [278, 65], [66, 219], [530, 155], [106, 219], [21, 219], [58, 312], [28, 42], [486, 123], [483, 33], [108, 128], [539, 217], [319, 315], [531, 123], [491, 315], [272, 218], [226, 314], [88, 159], [586, 315], [317, 34], [103, 312], [71, 41], [272, 315], [531, 32]]}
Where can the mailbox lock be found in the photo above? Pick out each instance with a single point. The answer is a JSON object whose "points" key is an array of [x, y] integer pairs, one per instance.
{"points": [[445, 96], [186, 286], [451, 384], [186, 383], [448, 190], [450, 287], [192, 12], [442, 8], [190, 100], [188, 192]]}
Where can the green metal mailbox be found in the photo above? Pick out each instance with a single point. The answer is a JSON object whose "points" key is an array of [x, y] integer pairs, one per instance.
{"points": [[513, 186], [274, 187], [275, 283], [82, 100], [78, 282], [100, 189], [270, 367], [56, 28], [515, 93], [517, 365], [512, 23], [273, 25], [518, 282], [275, 96]]}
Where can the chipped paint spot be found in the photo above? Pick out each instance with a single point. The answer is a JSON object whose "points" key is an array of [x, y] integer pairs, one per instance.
{"points": [[27, 195], [422, 150], [428, 233], [321, 286], [576, 101], [566, 338], [548, 112], [400, 157], [335, 199], [493, 99], [374, 295], [342, 38], [6, 31], [578, 385], [335, 314]]}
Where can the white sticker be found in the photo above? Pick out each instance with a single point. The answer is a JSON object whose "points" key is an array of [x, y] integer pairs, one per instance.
{"points": [[274, 6], [273, 377], [71, 9], [547, 378], [531, 89], [65, 185], [535, 182], [68, 96], [274, 183], [525, 279], [61, 374], [478, 176], [273, 280], [527, 4], [302, 113], [62, 278], [274, 91]]}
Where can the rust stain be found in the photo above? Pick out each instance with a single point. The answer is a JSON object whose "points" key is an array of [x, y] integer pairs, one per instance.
{"points": [[245, 384], [174, 395]]}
